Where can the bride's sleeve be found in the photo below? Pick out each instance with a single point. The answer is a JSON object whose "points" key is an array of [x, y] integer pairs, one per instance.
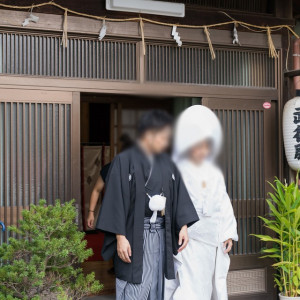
{"points": [[229, 224]]}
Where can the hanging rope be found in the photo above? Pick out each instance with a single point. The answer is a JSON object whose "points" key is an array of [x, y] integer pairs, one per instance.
{"points": [[288, 52], [137, 19], [65, 30], [272, 50], [248, 26], [211, 48], [143, 35]]}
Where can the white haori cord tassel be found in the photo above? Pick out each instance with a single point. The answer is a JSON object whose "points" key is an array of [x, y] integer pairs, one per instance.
{"points": [[156, 203]]}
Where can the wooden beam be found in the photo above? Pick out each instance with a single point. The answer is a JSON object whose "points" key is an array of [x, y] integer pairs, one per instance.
{"points": [[292, 73], [50, 23], [32, 95], [134, 88]]}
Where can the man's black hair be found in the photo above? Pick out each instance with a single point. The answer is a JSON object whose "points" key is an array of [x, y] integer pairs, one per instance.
{"points": [[126, 141], [155, 119]]}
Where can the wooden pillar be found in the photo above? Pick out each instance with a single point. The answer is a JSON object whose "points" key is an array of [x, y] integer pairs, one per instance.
{"points": [[75, 154]]}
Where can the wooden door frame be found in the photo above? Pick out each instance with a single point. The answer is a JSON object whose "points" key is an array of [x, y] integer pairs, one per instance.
{"points": [[75, 150]]}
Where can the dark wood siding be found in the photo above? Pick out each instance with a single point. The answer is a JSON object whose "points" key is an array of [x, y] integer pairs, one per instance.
{"points": [[44, 55], [35, 155], [232, 67]]}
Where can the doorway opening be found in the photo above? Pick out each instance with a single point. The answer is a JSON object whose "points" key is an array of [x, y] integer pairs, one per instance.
{"points": [[105, 120], [248, 161]]}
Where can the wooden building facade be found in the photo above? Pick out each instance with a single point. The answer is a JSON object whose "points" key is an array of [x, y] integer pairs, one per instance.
{"points": [[47, 94]]}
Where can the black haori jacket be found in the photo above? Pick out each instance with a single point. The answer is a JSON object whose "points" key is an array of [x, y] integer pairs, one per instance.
{"points": [[123, 208]]}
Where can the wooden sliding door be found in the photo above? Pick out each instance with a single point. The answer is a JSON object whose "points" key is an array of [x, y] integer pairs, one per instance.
{"points": [[39, 155], [250, 159]]}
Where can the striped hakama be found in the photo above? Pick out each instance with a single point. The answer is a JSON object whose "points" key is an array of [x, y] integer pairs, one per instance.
{"points": [[152, 286]]}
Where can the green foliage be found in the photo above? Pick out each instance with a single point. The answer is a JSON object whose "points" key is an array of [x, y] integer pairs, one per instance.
{"points": [[43, 261], [284, 222]]}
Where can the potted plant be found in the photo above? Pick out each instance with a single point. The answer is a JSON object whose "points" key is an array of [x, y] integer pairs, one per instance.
{"points": [[284, 243]]}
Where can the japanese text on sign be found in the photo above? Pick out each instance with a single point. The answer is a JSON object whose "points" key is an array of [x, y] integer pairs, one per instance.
{"points": [[297, 132]]}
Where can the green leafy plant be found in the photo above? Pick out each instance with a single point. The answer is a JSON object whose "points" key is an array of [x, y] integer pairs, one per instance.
{"points": [[284, 222], [43, 261]]}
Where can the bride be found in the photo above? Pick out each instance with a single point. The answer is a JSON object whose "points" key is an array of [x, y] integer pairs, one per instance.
{"points": [[201, 269]]}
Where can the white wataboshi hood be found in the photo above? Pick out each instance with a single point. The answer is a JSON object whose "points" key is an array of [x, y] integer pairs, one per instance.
{"points": [[196, 124]]}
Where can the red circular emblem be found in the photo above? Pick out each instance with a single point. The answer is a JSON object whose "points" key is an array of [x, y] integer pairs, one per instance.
{"points": [[267, 105]]}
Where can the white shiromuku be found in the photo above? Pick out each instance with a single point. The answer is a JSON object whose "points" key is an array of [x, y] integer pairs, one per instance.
{"points": [[201, 268]]}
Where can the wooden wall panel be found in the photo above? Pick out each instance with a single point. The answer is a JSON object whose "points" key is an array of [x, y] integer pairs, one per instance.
{"points": [[42, 55], [35, 154], [232, 67]]}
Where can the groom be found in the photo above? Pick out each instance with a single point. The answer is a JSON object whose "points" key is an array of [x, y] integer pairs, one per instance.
{"points": [[145, 212]]}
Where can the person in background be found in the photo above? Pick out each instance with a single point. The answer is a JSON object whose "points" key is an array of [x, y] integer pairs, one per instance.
{"points": [[126, 142], [145, 212], [201, 268]]}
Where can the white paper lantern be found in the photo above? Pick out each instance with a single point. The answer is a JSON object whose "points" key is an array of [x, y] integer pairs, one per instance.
{"points": [[291, 132]]}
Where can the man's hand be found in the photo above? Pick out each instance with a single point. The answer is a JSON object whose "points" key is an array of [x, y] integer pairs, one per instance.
{"points": [[123, 248], [227, 245], [183, 238]]}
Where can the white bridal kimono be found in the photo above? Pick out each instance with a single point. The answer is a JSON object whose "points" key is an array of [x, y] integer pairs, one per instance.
{"points": [[201, 268]]}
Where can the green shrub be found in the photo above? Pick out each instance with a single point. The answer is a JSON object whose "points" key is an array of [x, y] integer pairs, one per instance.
{"points": [[43, 262], [284, 222]]}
